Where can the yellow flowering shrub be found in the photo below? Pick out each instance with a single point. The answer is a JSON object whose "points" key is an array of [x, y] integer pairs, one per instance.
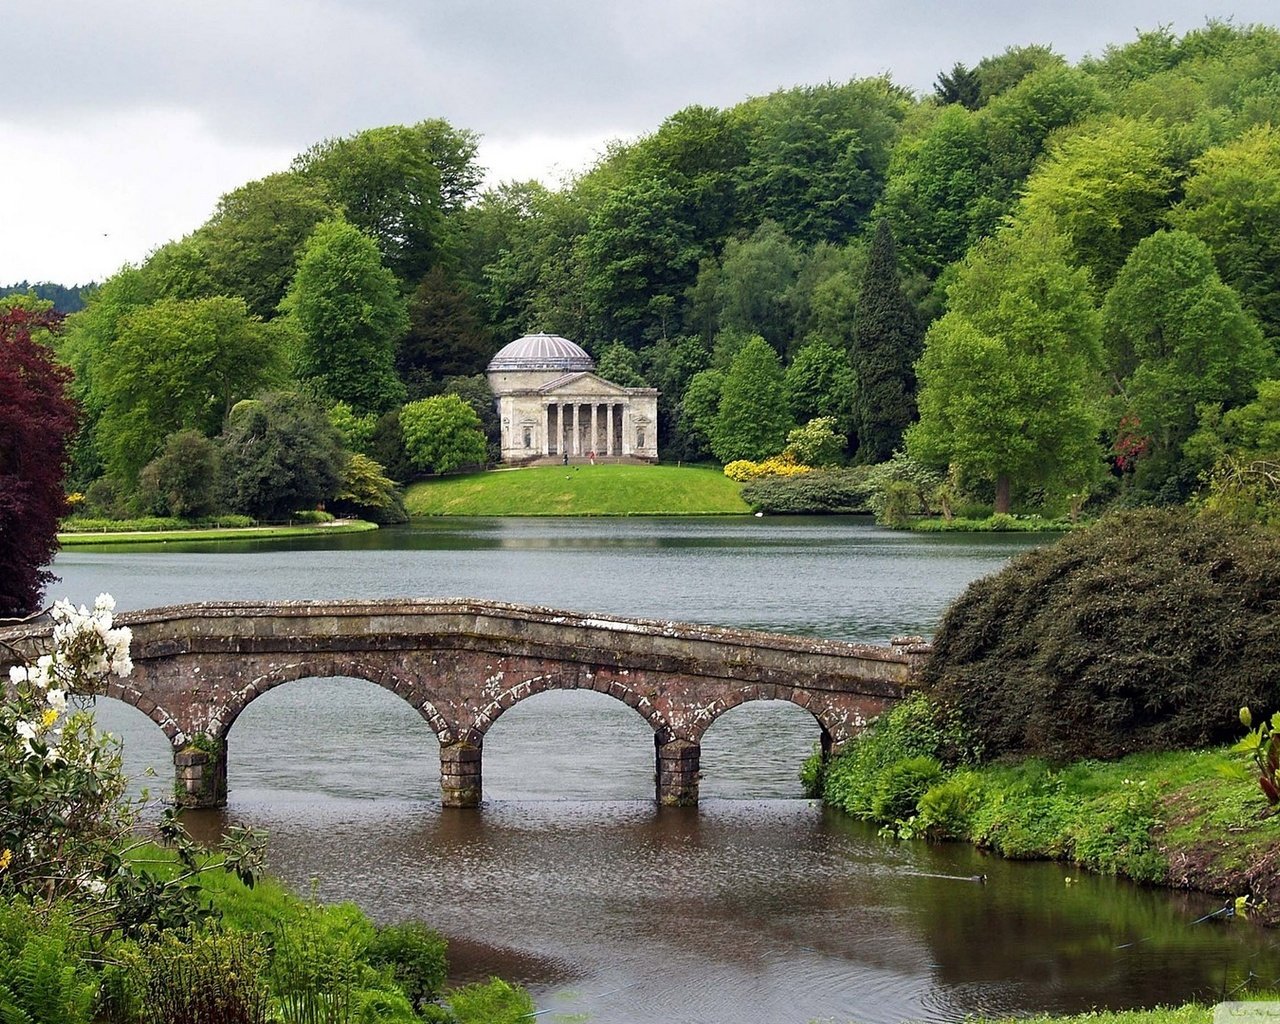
{"points": [[783, 465]]}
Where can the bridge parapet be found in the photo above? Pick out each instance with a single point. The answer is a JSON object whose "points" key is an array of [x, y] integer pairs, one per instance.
{"points": [[462, 663]]}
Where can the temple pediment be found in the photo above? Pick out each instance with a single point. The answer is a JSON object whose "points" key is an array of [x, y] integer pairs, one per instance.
{"points": [[582, 384]]}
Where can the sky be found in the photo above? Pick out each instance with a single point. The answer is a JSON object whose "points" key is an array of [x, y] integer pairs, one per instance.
{"points": [[122, 123]]}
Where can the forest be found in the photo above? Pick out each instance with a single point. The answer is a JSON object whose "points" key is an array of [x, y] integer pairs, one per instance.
{"points": [[1043, 286]]}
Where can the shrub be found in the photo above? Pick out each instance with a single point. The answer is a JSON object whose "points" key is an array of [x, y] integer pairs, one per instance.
{"points": [[416, 956], [198, 976], [1148, 630], [832, 491], [783, 465], [943, 811], [493, 1002], [900, 787]]}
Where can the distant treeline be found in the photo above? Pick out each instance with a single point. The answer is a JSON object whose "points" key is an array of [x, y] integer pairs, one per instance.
{"points": [[64, 299]]}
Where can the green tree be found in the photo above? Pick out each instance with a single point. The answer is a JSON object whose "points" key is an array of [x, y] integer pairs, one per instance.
{"points": [[755, 283], [1106, 186], [816, 443], [252, 242], [1176, 338], [699, 407], [397, 184], [185, 479], [752, 421], [997, 75], [1009, 376], [442, 434], [960, 85], [820, 383], [445, 336], [622, 366], [367, 492], [349, 310], [1233, 204], [886, 344], [280, 455], [174, 365]]}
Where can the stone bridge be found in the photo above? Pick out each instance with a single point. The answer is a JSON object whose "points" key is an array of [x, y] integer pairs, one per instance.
{"points": [[462, 663]]}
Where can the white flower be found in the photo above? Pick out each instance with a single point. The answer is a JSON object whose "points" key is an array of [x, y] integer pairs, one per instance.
{"points": [[57, 699], [104, 603], [18, 674]]}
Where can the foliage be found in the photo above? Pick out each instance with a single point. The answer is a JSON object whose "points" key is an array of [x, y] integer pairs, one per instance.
{"points": [[446, 336], [959, 85], [1262, 745], [1009, 375], [280, 454], [816, 443], [752, 420], [1177, 338], [699, 408], [1146, 630], [901, 488], [820, 383], [357, 431], [1232, 203], [66, 832], [886, 343], [368, 493], [185, 479], [824, 491], [205, 975], [900, 787], [178, 364], [783, 465], [494, 1002], [442, 434], [619, 364], [351, 315], [416, 956], [43, 979], [37, 422]]}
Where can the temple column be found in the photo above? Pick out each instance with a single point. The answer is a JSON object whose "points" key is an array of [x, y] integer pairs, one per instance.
{"points": [[548, 429], [676, 772], [460, 775], [201, 775], [595, 432], [608, 428]]}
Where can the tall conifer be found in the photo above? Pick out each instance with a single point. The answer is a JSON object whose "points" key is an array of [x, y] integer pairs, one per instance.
{"points": [[886, 344]]}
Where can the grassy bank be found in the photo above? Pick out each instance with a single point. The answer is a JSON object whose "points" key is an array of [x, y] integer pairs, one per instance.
{"points": [[998, 523], [606, 490], [1188, 819], [210, 534]]}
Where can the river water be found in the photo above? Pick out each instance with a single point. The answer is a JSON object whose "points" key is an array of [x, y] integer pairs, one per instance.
{"points": [[756, 906]]}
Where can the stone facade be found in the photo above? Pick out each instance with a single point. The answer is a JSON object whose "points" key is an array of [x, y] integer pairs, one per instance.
{"points": [[551, 404], [462, 664]]}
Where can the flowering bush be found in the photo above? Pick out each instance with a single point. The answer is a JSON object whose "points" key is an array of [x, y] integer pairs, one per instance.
{"points": [[783, 465], [68, 835]]}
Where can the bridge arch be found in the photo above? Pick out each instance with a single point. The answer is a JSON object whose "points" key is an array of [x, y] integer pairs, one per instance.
{"points": [[829, 718], [140, 701], [557, 678], [328, 668]]}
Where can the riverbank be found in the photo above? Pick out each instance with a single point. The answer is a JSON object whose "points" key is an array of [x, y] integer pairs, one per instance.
{"points": [[580, 490], [212, 533], [1182, 819]]}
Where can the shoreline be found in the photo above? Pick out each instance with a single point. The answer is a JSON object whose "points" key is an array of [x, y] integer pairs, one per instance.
{"points": [[211, 534]]}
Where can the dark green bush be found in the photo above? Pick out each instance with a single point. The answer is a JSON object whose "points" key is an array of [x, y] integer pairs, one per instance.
{"points": [[820, 492], [900, 787], [416, 956], [1146, 631]]}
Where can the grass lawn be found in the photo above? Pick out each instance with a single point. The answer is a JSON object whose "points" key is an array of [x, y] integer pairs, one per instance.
{"points": [[212, 533], [606, 490]]}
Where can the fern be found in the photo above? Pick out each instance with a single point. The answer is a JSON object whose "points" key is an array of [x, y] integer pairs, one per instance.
{"points": [[41, 985]]}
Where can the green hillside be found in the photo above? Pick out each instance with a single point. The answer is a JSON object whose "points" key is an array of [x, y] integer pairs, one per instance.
{"points": [[579, 491]]}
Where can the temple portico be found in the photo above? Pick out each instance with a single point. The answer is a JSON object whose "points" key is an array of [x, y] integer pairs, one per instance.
{"points": [[552, 403]]}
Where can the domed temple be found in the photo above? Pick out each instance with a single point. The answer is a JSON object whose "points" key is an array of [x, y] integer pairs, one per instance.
{"points": [[552, 403]]}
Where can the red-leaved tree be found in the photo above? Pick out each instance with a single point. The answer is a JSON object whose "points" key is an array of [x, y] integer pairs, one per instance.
{"points": [[37, 423]]}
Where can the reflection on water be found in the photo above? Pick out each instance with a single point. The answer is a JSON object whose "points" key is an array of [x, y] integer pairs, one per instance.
{"points": [[758, 906]]}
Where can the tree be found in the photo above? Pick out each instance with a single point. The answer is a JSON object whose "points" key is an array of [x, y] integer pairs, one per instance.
{"points": [[1233, 204], [961, 85], [445, 337], [1010, 375], [368, 492], [820, 383], [754, 286], [1176, 338], [886, 344], [442, 434], [1106, 186], [348, 307], [816, 443], [619, 364], [699, 407], [178, 364], [397, 184], [280, 454], [185, 479], [752, 421], [997, 75], [37, 422]]}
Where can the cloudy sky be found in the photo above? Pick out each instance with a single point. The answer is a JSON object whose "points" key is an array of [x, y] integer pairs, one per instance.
{"points": [[122, 123]]}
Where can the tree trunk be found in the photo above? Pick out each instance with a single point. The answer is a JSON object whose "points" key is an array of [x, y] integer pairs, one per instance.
{"points": [[1002, 493]]}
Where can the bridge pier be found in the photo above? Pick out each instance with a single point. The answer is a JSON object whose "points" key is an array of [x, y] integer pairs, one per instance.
{"points": [[201, 775], [460, 775], [677, 773]]}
